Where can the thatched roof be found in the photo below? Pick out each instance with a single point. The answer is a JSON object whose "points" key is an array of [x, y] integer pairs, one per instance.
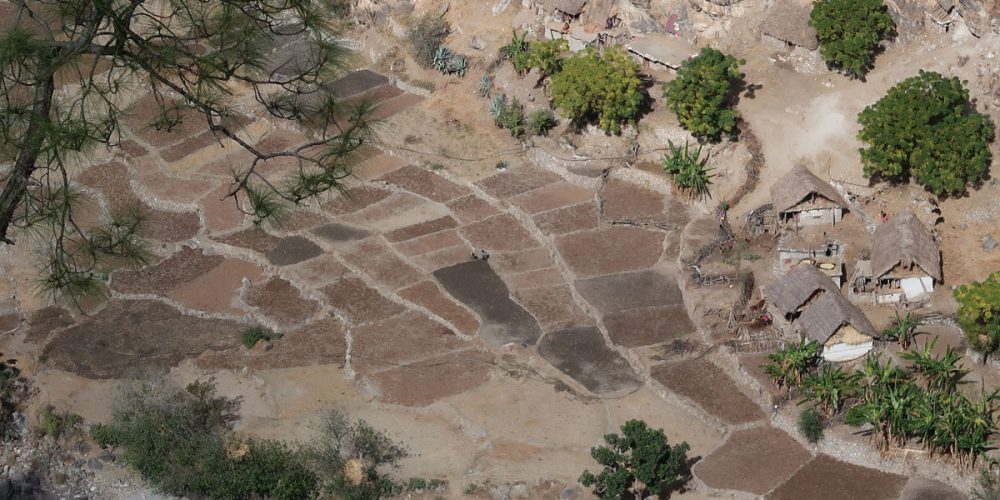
{"points": [[905, 240], [789, 292], [823, 317], [797, 185], [789, 22], [571, 7]]}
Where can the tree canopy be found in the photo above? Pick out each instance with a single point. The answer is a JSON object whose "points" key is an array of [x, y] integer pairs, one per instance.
{"points": [[700, 95], [849, 32], [69, 70], [979, 313], [925, 127], [638, 462], [601, 87]]}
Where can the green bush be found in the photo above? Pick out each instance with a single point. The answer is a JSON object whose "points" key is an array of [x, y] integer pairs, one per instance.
{"points": [[700, 95], [340, 441], [253, 334], [425, 38], [510, 117], [979, 313], [58, 424], [182, 443], [811, 425], [599, 86], [541, 122], [927, 128], [518, 52], [849, 32]]}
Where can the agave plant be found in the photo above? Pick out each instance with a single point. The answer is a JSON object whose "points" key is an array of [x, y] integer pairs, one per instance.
{"points": [[442, 59], [485, 86], [688, 169], [497, 105], [459, 66]]}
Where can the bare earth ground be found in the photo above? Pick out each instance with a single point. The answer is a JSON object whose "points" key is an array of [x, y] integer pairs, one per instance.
{"points": [[498, 372]]}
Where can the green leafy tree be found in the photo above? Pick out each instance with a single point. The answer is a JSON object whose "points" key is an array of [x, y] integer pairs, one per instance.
{"points": [[636, 463], [849, 32], [979, 313], [426, 37], [701, 93], [926, 127], [602, 87], [69, 70]]}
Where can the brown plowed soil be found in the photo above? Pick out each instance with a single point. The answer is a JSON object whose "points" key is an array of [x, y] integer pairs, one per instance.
{"points": [[755, 460], [825, 478], [709, 387]]}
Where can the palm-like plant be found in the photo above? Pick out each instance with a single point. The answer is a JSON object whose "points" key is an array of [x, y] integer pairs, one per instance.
{"points": [[939, 373], [788, 366], [830, 387], [901, 330], [688, 170], [518, 52]]}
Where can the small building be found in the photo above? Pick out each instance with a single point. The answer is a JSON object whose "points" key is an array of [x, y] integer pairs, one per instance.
{"points": [[905, 263], [808, 302], [661, 50], [566, 9], [788, 23], [827, 256], [801, 198]]}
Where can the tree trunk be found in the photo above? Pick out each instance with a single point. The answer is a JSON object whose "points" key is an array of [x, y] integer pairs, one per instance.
{"points": [[27, 157]]}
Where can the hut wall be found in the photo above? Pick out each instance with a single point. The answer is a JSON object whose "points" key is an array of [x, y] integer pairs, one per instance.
{"points": [[820, 216]]}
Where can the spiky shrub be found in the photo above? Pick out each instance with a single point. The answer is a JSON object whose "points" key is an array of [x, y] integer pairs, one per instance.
{"points": [[811, 425], [426, 38], [687, 169], [459, 66], [518, 52], [497, 106], [540, 122], [485, 86], [442, 59]]}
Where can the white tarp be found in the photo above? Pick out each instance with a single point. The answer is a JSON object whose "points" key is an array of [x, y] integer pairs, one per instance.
{"points": [[917, 288], [847, 352]]}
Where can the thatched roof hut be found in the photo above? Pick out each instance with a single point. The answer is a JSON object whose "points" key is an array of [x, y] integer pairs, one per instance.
{"points": [[829, 313], [791, 291], [799, 185], [789, 22], [904, 240], [568, 7]]}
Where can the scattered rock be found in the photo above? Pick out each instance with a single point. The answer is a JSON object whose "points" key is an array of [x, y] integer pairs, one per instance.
{"points": [[963, 226], [500, 7], [989, 244], [477, 44]]}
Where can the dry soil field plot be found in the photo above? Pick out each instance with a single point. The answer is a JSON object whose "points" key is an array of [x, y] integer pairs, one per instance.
{"points": [[582, 354], [754, 460], [477, 285], [825, 478], [710, 388]]}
